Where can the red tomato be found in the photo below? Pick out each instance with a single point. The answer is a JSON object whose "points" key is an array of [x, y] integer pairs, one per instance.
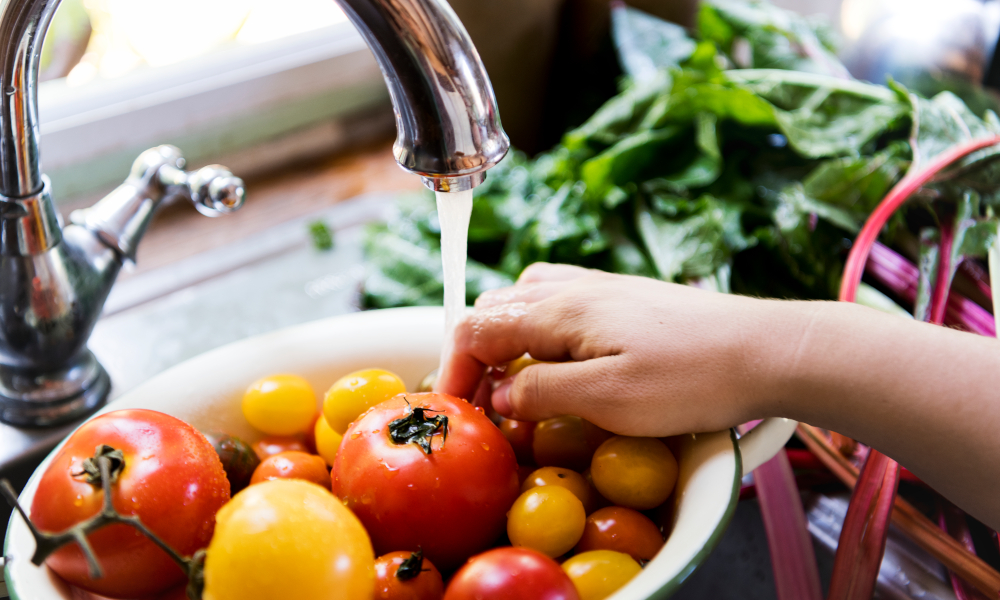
{"points": [[276, 444], [172, 479], [292, 465], [622, 530], [447, 496], [511, 574], [520, 435], [406, 575]]}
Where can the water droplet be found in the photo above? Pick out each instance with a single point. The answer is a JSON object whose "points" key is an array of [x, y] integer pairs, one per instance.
{"points": [[355, 435], [486, 446]]}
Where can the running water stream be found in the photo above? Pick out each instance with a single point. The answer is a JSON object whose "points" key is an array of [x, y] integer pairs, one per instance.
{"points": [[454, 210]]}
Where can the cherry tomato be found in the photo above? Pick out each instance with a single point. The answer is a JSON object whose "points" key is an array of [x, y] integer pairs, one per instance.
{"points": [[309, 435], [276, 444], [520, 434], [597, 501], [599, 573], [560, 442], [634, 472], [446, 496], [594, 435], [511, 574], [353, 394], [172, 480], [622, 530], [327, 441], [404, 575], [238, 459], [516, 366], [571, 480], [288, 539], [292, 465], [280, 404], [549, 519]]}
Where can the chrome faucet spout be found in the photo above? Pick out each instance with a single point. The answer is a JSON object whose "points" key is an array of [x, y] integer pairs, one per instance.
{"points": [[447, 122], [54, 280]]}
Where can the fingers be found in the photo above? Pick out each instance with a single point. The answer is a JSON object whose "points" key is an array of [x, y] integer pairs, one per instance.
{"points": [[540, 272], [529, 292], [544, 391]]}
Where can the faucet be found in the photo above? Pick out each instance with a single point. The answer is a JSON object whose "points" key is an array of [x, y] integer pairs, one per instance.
{"points": [[54, 279]]}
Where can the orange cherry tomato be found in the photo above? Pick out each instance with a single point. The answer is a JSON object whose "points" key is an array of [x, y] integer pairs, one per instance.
{"points": [[520, 434], [560, 442], [292, 465], [276, 444], [571, 480], [549, 519], [622, 530], [634, 472], [406, 575]]}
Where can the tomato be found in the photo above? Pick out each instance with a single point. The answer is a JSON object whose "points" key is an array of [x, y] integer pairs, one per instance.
{"points": [[353, 394], [571, 480], [511, 574], [520, 434], [276, 444], [597, 501], [446, 496], [516, 366], [599, 573], [292, 465], [288, 539], [634, 472], [549, 519], [622, 530], [327, 441], [280, 404], [238, 459], [172, 480], [560, 442], [404, 575]]}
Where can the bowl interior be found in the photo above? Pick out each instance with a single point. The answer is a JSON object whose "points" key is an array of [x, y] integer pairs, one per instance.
{"points": [[206, 390]]}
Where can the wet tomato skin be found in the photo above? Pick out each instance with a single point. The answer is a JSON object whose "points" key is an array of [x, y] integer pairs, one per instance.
{"points": [[452, 503], [428, 585], [520, 434], [622, 530], [293, 465], [276, 444], [511, 574], [173, 480], [561, 442]]}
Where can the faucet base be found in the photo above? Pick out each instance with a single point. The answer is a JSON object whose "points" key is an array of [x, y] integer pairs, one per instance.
{"points": [[46, 399]]}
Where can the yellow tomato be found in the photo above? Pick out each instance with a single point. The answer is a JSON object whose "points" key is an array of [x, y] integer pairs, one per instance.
{"points": [[280, 404], [599, 573], [519, 364], [327, 441], [288, 539], [634, 472], [549, 519], [356, 393], [571, 480]]}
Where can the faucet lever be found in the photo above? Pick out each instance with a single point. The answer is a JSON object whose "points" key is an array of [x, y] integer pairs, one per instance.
{"points": [[157, 176]]}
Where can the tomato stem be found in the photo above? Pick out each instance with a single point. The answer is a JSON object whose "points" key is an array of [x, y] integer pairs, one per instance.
{"points": [[417, 428], [411, 567], [107, 462]]}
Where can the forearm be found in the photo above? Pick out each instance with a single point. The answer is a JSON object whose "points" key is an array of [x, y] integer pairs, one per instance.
{"points": [[927, 396]]}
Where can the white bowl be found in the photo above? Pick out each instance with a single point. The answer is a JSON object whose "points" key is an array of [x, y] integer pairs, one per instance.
{"points": [[206, 390]]}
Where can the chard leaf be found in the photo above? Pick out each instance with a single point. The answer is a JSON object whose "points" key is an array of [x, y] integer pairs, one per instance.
{"points": [[927, 265], [941, 123], [824, 116], [620, 115], [646, 43], [857, 183], [693, 246], [624, 161]]}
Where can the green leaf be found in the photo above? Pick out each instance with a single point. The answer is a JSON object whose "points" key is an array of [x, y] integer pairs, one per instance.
{"points": [[825, 116], [624, 161], [618, 116], [927, 265], [695, 245], [646, 43], [858, 183]]}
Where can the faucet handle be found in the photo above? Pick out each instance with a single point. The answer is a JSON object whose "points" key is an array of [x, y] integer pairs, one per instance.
{"points": [[120, 218], [213, 190]]}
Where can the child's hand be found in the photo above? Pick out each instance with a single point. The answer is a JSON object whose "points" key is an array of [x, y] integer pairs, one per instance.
{"points": [[635, 355]]}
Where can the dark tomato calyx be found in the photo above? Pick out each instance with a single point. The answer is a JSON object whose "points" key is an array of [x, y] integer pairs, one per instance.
{"points": [[411, 567], [418, 428], [91, 472]]}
